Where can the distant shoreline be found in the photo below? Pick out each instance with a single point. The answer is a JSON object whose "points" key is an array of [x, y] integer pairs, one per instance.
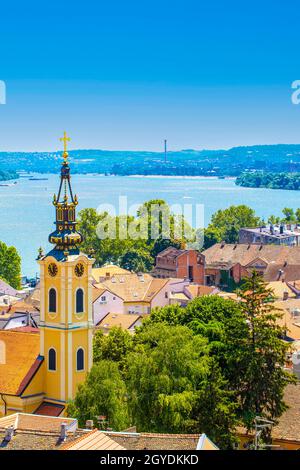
{"points": [[140, 176], [179, 176]]}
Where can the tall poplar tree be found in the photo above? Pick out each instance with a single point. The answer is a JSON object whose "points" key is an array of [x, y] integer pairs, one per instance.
{"points": [[262, 355]]}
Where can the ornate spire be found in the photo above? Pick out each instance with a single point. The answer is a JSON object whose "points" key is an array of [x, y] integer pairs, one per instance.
{"points": [[65, 237]]}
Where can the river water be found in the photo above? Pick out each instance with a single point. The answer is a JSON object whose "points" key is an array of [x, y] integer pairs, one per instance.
{"points": [[27, 213]]}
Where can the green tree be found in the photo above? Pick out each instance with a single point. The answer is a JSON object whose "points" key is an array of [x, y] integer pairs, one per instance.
{"points": [[161, 244], [137, 260], [289, 215], [274, 220], [212, 235], [170, 376], [262, 354], [225, 224], [102, 394], [114, 346], [10, 265], [245, 341], [131, 241]]}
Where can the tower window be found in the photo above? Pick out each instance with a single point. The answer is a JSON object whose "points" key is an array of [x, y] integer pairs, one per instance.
{"points": [[52, 359], [52, 300], [59, 214], [80, 359], [71, 215], [79, 301]]}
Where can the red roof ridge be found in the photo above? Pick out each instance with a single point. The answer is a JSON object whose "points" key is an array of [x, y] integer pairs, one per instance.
{"points": [[84, 435]]}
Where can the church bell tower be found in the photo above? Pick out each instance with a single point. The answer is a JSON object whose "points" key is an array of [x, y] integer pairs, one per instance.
{"points": [[66, 318]]}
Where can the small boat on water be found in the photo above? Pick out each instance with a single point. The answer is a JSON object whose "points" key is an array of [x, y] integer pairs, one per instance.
{"points": [[8, 184], [38, 179]]}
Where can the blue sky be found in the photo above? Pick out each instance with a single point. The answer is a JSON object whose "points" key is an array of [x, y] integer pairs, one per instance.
{"points": [[127, 74]]}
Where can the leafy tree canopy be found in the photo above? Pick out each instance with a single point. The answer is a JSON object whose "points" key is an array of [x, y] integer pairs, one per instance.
{"points": [[10, 265]]}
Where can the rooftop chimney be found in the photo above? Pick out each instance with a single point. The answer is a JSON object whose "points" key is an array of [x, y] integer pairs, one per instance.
{"points": [[285, 295], [63, 431], [9, 432], [89, 424]]}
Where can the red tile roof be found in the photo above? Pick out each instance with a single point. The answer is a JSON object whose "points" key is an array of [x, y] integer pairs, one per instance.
{"points": [[49, 409]]}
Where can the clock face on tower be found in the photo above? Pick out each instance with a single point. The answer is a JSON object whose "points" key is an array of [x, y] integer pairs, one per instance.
{"points": [[52, 269], [79, 269]]}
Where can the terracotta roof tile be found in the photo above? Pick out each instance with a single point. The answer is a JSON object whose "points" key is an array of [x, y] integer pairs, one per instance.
{"points": [[155, 441], [95, 440], [108, 271], [197, 290], [133, 287], [33, 422], [49, 409], [21, 360], [123, 320]]}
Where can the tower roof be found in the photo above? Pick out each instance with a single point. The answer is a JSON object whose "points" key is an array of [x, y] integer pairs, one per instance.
{"points": [[65, 236]]}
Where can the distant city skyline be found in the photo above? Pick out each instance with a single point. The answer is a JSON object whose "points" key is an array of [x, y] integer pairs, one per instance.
{"points": [[127, 75]]}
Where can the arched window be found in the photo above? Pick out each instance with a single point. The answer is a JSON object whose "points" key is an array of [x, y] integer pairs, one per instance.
{"points": [[71, 215], [52, 359], [79, 301], [52, 300], [59, 214], [2, 352], [80, 359]]}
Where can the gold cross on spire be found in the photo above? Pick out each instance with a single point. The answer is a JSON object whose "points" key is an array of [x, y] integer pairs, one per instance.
{"points": [[65, 139]]}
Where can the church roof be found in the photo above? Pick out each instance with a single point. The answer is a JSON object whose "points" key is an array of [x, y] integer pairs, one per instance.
{"points": [[20, 353]]}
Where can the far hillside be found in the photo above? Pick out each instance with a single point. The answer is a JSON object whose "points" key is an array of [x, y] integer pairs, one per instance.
{"points": [[189, 162]]}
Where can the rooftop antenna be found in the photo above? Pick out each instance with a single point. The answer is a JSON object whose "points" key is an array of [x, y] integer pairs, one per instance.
{"points": [[165, 150]]}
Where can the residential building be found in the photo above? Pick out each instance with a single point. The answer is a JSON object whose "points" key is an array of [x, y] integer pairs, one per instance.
{"points": [[227, 264], [139, 292], [101, 440], [107, 271], [21, 431], [126, 321], [271, 235], [286, 434], [6, 289], [198, 290], [19, 314], [104, 302], [172, 262]]}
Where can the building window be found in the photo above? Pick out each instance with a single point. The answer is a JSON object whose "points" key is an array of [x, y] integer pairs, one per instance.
{"points": [[79, 301], [52, 300], [191, 273], [52, 359], [80, 359]]}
